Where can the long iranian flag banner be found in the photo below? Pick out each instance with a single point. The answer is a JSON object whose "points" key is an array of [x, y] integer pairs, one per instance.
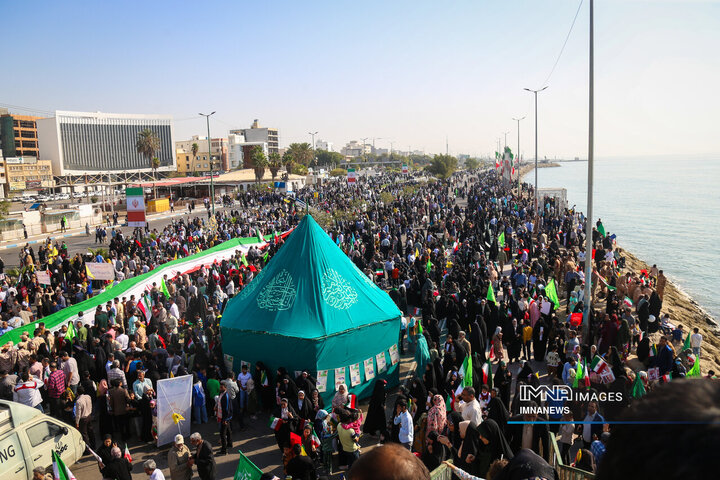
{"points": [[137, 285]]}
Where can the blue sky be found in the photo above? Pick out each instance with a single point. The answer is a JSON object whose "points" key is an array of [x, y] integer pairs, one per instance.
{"points": [[409, 71]]}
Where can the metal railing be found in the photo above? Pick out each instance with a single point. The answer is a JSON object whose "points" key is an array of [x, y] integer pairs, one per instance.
{"points": [[443, 472], [566, 472]]}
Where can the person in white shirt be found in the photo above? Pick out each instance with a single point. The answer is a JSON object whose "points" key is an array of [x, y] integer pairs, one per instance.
{"points": [[174, 311], [404, 419], [122, 338], [27, 391], [152, 471], [696, 341], [471, 409]]}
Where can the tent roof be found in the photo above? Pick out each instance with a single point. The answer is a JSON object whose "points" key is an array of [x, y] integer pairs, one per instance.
{"points": [[309, 289]]}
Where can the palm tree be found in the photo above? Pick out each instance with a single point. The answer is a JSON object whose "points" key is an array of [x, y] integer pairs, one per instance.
{"points": [[288, 160], [147, 145], [302, 153], [259, 162], [275, 162], [194, 149]]}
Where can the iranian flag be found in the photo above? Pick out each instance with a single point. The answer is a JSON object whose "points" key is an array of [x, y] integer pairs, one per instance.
{"points": [[627, 302], [487, 374], [586, 375], [352, 401], [263, 379], [466, 372], [599, 365], [145, 308], [60, 470], [379, 271], [275, 423], [127, 454]]}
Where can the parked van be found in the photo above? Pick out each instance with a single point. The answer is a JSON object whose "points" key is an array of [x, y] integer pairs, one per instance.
{"points": [[28, 438]]}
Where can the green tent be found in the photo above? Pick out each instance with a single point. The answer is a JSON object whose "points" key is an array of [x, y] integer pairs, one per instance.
{"points": [[312, 309]]}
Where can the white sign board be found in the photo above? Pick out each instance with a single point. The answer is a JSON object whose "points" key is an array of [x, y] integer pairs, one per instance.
{"points": [[174, 396]]}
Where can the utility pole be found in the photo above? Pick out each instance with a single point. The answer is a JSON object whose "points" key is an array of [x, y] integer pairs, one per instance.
{"points": [[517, 154], [591, 153], [212, 185], [312, 134], [505, 133], [447, 147], [363, 152], [536, 149]]}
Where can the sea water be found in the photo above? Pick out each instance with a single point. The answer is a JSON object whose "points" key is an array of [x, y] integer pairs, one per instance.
{"points": [[665, 210]]}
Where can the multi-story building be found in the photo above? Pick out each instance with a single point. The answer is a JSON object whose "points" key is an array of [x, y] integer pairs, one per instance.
{"points": [[354, 149], [240, 151], [323, 145], [200, 163], [85, 142], [27, 174], [257, 134], [18, 135]]}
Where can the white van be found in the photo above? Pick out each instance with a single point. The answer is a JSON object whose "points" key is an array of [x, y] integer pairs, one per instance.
{"points": [[28, 437]]}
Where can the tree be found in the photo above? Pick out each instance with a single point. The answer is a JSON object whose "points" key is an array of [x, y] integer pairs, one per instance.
{"points": [[300, 169], [147, 145], [328, 159], [472, 163], [338, 172], [302, 153], [288, 160], [274, 163], [4, 208], [442, 166], [194, 149], [259, 162]]}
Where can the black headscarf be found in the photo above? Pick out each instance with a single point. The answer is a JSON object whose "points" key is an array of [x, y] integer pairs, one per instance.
{"points": [[527, 464], [439, 454]]}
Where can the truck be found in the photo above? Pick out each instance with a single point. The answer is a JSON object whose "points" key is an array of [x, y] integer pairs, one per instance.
{"points": [[28, 438]]}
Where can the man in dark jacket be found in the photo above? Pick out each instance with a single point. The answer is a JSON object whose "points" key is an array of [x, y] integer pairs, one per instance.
{"points": [[226, 406], [203, 457], [534, 434]]}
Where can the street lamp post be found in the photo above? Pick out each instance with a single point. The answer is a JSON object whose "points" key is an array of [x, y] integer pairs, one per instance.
{"points": [[363, 152], [536, 147], [312, 134], [517, 154], [591, 153], [212, 184], [505, 133]]}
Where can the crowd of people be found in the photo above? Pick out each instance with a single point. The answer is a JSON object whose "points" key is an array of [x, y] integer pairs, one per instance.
{"points": [[485, 286]]}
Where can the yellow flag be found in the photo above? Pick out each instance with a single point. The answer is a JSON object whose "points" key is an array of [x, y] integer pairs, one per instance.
{"points": [[177, 418], [88, 273], [417, 254]]}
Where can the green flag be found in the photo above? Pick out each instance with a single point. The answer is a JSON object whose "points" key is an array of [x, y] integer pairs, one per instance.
{"points": [[70, 332], [247, 470], [244, 260], [638, 389], [578, 374], [686, 345], [266, 256], [466, 371], [428, 267], [164, 289], [501, 239], [551, 292], [601, 229], [695, 370], [60, 470], [491, 294]]}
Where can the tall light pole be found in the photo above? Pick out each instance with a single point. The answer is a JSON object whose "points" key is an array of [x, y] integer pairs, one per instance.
{"points": [[363, 152], [591, 154], [312, 134], [212, 185], [536, 150], [517, 154], [505, 133]]}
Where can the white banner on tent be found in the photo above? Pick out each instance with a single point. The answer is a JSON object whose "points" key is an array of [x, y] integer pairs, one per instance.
{"points": [[322, 381], [355, 379], [174, 397], [369, 370], [339, 376], [394, 355], [381, 362]]}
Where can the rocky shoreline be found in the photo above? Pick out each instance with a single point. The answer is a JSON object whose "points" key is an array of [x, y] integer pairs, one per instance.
{"points": [[682, 308]]}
